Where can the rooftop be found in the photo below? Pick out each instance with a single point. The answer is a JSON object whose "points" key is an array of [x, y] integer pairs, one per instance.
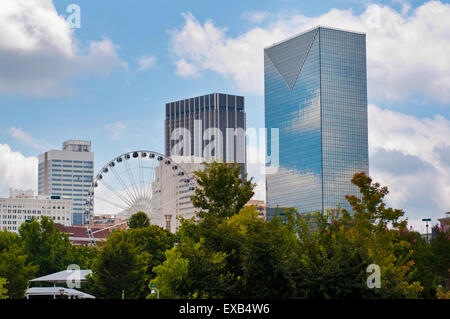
{"points": [[308, 30], [77, 146]]}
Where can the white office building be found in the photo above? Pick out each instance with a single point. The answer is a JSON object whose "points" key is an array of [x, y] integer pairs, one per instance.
{"points": [[68, 173], [171, 194], [23, 205]]}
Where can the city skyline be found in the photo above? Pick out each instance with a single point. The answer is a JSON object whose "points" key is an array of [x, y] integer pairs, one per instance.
{"points": [[408, 94]]}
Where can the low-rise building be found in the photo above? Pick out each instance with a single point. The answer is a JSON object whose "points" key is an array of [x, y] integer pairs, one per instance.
{"points": [[445, 222], [79, 235], [260, 207], [22, 206], [108, 221]]}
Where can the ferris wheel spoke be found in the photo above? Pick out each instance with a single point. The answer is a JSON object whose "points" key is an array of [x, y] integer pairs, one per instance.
{"points": [[148, 186], [141, 179], [152, 178], [131, 177], [116, 193], [139, 188], [109, 202], [122, 183]]}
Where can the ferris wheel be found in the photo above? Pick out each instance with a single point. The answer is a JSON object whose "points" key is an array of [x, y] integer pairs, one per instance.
{"points": [[133, 182]]}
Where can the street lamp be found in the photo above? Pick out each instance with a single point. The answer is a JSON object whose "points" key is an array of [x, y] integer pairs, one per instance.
{"points": [[427, 220], [153, 291]]}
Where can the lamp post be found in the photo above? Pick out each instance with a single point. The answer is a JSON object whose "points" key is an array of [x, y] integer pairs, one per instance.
{"points": [[427, 220], [153, 291]]}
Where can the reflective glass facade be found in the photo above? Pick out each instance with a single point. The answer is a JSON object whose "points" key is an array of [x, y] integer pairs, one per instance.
{"points": [[216, 110], [316, 95]]}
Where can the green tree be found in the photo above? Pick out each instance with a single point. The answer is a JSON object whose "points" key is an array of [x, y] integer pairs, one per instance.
{"points": [[139, 220], [220, 191], [45, 246], [83, 256], [17, 271], [237, 257], [207, 274], [13, 265], [415, 249], [336, 247], [118, 267], [3, 290], [441, 293], [440, 250], [332, 262], [223, 254], [370, 221], [150, 243], [208, 249], [369, 211], [227, 252], [8, 239], [170, 275], [210, 244], [269, 256]]}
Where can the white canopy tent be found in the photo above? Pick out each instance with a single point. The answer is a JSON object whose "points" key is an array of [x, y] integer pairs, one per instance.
{"points": [[57, 291], [65, 276], [61, 277]]}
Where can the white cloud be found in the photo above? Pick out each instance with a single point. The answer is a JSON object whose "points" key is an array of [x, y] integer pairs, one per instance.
{"points": [[116, 129], [145, 62], [405, 6], [405, 155], [101, 58], [25, 137], [260, 189], [407, 52], [255, 16], [185, 69], [16, 170], [39, 52]]}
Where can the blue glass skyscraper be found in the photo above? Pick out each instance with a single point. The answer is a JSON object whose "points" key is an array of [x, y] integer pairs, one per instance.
{"points": [[316, 95]]}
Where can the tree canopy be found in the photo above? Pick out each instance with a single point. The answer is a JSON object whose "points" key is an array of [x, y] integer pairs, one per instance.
{"points": [[3, 290], [226, 251], [139, 220], [126, 261], [118, 268], [220, 191], [45, 246]]}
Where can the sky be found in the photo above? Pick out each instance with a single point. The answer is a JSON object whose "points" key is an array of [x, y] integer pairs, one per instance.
{"points": [[108, 78]]}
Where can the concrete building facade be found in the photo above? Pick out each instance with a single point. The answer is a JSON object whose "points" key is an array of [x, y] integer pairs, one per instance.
{"points": [[68, 173], [22, 206]]}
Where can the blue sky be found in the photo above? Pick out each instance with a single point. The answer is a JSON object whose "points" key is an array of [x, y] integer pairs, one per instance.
{"points": [[90, 83]]}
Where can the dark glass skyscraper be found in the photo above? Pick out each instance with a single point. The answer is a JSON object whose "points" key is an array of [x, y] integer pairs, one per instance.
{"points": [[199, 116], [316, 95]]}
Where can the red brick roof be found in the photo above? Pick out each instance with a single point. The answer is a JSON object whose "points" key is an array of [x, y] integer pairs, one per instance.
{"points": [[78, 235]]}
